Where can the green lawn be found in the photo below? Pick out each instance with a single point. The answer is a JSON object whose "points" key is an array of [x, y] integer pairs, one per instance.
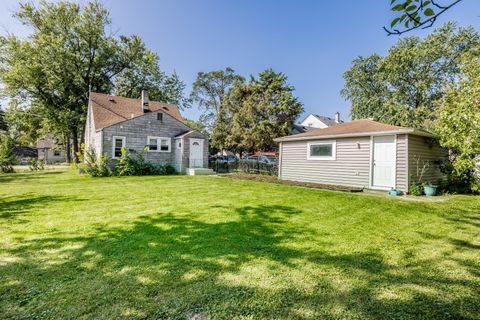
{"points": [[74, 247]]}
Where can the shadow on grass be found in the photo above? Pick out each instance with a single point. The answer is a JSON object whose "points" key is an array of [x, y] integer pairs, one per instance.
{"points": [[12, 208], [180, 267], [24, 176]]}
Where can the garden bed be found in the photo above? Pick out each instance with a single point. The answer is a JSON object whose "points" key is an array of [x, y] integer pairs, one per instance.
{"points": [[272, 179]]}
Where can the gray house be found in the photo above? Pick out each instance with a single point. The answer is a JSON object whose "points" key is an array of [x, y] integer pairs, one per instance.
{"points": [[115, 122], [50, 150], [361, 153]]}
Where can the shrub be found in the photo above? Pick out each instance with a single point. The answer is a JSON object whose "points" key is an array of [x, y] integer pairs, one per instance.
{"points": [[463, 182], [129, 164], [97, 166], [168, 169], [36, 165], [126, 165], [415, 189], [7, 158]]}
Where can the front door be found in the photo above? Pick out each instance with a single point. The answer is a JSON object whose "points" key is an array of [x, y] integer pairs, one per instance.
{"points": [[196, 153], [384, 157]]}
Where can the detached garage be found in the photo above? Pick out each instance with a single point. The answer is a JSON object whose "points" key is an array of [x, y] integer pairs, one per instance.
{"points": [[361, 153]]}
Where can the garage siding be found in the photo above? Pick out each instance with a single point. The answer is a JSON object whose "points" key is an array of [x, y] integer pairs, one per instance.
{"points": [[401, 163], [424, 150], [351, 167]]}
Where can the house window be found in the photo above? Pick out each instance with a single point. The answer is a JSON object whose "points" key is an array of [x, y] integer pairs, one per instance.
{"points": [[158, 144], [160, 116], [118, 144], [56, 153], [321, 150]]}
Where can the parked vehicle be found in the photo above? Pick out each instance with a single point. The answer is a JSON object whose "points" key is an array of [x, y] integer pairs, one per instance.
{"points": [[268, 159]]}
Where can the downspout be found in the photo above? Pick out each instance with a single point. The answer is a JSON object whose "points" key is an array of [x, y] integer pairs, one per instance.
{"points": [[407, 165], [280, 161]]}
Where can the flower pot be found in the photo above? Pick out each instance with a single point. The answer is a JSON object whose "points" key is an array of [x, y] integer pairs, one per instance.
{"points": [[430, 190], [395, 192]]}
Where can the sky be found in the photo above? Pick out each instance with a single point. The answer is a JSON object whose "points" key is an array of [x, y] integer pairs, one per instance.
{"points": [[312, 42]]}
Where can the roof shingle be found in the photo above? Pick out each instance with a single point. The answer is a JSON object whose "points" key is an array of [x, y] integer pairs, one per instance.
{"points": [[109, 110], [354, 127]]}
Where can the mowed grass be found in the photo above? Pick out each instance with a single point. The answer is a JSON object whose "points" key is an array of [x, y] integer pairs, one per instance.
{"points": [[74, 247]]}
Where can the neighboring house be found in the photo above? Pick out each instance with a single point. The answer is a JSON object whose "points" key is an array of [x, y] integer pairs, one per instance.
{"points": [[320, 122], [140, 125], [361, 153], [298, 128], [50, 150], [24, 154]]}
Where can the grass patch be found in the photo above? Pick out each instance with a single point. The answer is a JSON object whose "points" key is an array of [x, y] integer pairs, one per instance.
{"points": [[180, 247]]}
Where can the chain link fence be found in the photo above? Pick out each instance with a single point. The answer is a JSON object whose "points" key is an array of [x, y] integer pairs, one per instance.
{"points": [[244, 166]]}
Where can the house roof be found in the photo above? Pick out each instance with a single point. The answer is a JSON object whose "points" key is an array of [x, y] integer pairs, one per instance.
{"points": [[355, 128], [109, 110], [301, 128], [46, 143], [327, 120], [183, 134]]}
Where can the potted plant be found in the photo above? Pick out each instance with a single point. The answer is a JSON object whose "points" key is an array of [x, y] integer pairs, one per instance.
{"points": [[430, 189]]}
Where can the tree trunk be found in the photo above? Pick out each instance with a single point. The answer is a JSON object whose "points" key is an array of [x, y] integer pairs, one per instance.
{"points": [[75, 144], [68, 149]]}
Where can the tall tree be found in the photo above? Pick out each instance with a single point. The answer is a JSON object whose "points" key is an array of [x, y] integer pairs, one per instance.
{"points": [[145, 73], [458, 125], [259, 111], [67, 53], [414, 14], [209, 91], [25, 125], [404, 87]]}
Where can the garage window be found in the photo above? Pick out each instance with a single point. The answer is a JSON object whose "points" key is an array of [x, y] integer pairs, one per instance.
{"points": [[321, 150]]}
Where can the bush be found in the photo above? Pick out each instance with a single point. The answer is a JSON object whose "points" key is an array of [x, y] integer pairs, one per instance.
{"points": [[127, 165], [415, 189], [7, 158], [36, 165], [465, 182], [97, 166]]}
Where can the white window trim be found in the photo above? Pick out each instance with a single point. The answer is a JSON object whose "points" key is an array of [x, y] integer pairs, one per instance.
{"points": [[159, 144], [124, 144], [322, 142]]}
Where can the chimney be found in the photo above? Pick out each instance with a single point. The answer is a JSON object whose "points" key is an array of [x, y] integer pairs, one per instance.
{"points": [[337, 117], [145, 102]]}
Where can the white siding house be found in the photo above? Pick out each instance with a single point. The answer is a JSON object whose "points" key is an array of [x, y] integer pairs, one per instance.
{"points": [[360, 153]]}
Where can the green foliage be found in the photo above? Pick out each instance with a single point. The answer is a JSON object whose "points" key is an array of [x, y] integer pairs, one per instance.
{"points": [[257, 112], [3, 123], [209, 91], [7, 158], [34, 164], [404, 87], [458, 124], [415, 189], [145, 73], [459, 182], [126, 165], [412, 14], [68, 52], [97, 166], [24, 123]]}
